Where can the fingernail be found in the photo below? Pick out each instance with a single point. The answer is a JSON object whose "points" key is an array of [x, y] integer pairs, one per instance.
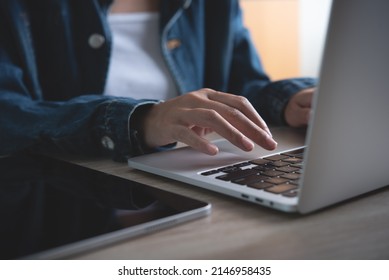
{"points": [[248, 144], [272, 143], [212, 150]]}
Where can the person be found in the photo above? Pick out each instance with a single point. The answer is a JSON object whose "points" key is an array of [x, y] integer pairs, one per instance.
{"points": [[130, 77]]}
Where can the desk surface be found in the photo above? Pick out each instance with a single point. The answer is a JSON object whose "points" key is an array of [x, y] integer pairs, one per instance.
{"points": [[356, 229]]}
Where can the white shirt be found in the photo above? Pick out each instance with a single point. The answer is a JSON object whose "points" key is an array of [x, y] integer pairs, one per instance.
{"points": [[137, 68]]}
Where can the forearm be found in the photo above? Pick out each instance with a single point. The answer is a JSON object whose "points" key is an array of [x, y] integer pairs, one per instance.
{"points": [[90, 124], [271, 100]]}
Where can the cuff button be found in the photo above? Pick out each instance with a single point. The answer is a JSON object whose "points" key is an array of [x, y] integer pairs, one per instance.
{"points": [[107, 143]]}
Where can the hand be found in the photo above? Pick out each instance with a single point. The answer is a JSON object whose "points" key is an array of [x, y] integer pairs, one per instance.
{"points": [[189, 117], [298, 109]]}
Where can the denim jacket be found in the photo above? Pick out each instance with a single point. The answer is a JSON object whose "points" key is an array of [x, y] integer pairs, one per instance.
{"points": [[54, 58]]}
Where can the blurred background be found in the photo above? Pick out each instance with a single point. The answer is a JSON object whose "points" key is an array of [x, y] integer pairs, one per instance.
{"points": [[289, 34]]}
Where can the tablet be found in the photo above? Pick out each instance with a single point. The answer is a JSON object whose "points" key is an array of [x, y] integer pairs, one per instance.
{"points": [[59, 209]]}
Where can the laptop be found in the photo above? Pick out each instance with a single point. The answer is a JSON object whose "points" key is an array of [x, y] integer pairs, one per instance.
{"points": [[344, 151]]}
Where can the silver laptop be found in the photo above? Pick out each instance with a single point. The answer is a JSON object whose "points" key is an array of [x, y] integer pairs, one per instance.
{"points": [[346, 144]]}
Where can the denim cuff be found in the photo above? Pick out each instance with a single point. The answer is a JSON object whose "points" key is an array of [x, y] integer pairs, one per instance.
{"points": [[114, 131], [277, 95]]}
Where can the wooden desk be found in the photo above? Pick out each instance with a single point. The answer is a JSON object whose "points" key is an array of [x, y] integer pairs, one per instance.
{"points": [[357, 229]]}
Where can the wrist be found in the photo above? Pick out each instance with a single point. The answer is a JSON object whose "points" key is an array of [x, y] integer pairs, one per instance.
{"points": [[137, 128]]}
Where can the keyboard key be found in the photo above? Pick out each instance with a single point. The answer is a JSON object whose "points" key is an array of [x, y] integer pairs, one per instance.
{"points": [[263, 167], [287, 169], [242, 164], [228, 169], [295, 153], [259, 185], [298, 165], [278, 163], [276, 157], [294, 182], [259, 161], [249, 179], [277, 189], [291, 193], [291, 176], [272, 173], [276, 180], [236, 174], [293, 160], [210, 172]]}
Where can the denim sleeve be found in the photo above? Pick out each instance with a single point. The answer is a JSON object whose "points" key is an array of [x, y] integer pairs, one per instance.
{"points": [[30, 120], [249, 78], [87, 124], [271, 100]]}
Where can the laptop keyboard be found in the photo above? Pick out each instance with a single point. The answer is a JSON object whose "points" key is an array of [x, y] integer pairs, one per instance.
{"points": [[278, 174]]}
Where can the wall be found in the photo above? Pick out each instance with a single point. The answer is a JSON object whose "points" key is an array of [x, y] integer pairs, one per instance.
{"points": [[289, 34], [314, 16], [274, 26]]}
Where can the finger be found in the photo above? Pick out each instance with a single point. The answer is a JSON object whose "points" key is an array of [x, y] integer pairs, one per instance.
{"points": [[240, 121], [201, 131], [241, 104], [306, 116], [301, 117], [212, 119], [304, 98], [188, 136], [298, 110]]}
